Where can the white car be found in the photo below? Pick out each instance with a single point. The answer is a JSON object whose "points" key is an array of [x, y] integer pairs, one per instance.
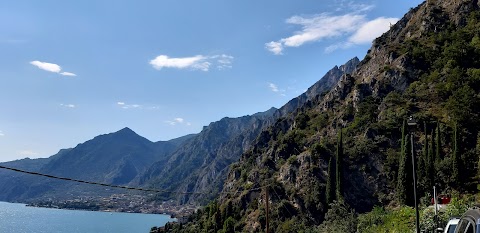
{"points": [[469, 222], [451, 225]]}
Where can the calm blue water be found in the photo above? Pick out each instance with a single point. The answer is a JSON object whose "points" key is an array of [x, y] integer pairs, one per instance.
{"points": [[19, 218]]}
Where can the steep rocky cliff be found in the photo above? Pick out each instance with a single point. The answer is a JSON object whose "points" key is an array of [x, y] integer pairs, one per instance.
{"points": [[202, 164], [427, 66]]}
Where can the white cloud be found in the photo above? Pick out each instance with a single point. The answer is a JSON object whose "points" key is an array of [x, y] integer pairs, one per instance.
{"points": [[178, 121], [315, 29], [371, 30], [124, 105], [128, 106], [354, 26], [273, 87], [365, 34], [341, 45], [348, 5], [68, 74], [198, 62], [274, 47], [68, 105], [27, 153], [1, 133], [51, 67], [223, 61]]}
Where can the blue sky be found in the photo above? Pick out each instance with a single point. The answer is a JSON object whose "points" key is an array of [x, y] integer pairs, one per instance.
{"points": [[71, 70]]}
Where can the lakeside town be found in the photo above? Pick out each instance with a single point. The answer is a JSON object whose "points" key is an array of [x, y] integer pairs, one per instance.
{"points": [[119, 203]]}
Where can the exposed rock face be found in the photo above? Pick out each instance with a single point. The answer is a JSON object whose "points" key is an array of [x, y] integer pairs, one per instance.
{"points": [[202, 164], [324, 85], [289, 157]]}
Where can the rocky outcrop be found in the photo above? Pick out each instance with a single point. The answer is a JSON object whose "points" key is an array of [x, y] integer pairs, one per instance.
{"points": [[201, 165]]}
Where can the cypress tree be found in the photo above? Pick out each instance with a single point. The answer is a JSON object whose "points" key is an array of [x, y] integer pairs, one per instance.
{"points": [[431, 163], [422, 171], [402, 175], [478, 154], [437, 144], [402, 143], [455, 158], [330, 191], [338, 169]]}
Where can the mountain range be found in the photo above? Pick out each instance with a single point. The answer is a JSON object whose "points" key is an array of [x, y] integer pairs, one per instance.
{"points": [[193, 163]]}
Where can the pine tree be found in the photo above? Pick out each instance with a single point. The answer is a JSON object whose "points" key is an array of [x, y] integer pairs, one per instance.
{"points": [[330, 191], [338, 169]]}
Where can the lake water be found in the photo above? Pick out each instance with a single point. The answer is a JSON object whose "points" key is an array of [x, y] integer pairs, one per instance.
{"points": [[19, 218]]}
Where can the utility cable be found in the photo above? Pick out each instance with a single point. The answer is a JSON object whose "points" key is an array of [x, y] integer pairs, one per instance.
{"points": [[117, 186]]}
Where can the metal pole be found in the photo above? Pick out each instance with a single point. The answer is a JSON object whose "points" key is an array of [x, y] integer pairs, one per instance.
{"points": [[436, 207], [435, 199], [417, 220]]}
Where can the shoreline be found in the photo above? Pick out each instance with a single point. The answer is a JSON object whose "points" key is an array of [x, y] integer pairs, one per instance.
{"points": [[172, 216]]}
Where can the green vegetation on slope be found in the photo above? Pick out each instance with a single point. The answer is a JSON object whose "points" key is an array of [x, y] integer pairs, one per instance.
{"points": [[442, 72]]}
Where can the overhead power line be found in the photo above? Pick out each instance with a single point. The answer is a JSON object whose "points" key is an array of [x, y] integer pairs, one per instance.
{"points": [[116, 186]]}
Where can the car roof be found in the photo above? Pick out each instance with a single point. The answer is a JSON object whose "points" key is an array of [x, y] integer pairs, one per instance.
{"points": [[454, 221], [473, 214]]}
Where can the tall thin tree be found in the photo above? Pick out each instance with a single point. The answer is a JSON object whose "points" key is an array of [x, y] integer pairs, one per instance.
{"points": [[402, 174], [455, 157], [405, 177], [422, 171], [431, 164], [338, 167], [437, 144], [330, 190]]}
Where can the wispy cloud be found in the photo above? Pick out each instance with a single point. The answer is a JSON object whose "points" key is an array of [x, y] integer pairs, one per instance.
{"points": [[1, 133], [68, 105], [274, 88], [352, 6], [124, 105], [223, 61], [365, 34], [27, 153], [68, 74], [372, 29], [198, 62], [128, 106], [353, 25], [316, 28], [274, 47], [51, 67], [178, 121]]}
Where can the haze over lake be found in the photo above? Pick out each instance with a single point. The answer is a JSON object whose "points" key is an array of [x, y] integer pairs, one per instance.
{"points": [[19, 218]]}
